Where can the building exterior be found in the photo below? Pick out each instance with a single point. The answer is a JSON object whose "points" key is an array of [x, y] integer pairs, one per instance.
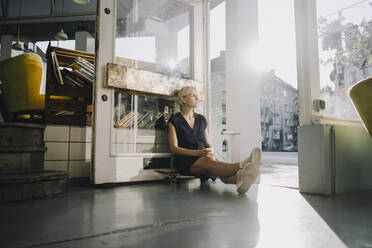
{"points": [[279, 113], [279, 107]]}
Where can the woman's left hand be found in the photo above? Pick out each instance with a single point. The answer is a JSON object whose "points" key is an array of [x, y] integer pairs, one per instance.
{"points": [[211, 154]]}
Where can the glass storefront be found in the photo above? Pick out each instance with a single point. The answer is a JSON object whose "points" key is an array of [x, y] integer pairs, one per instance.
{"points": [[344, 41]]}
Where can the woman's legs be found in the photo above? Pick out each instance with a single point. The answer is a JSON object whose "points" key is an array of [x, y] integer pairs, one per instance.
{"points": [[254, 157], [228, 172], [229, 180], [210, 167]]}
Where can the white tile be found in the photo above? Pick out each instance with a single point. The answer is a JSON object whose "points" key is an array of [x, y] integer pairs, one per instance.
{"points": [[80, 151], [56, 151], [79, 168], [81, 134], [56, 133], [88, 134], [56, 165]]}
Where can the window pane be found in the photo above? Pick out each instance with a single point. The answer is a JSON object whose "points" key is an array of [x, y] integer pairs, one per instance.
{"points": [[153, 36], [344, 33], [277, 47], [218, 79]]}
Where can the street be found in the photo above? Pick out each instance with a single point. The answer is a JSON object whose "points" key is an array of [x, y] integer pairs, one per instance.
{"points": [[279, 158], [279, 169]]}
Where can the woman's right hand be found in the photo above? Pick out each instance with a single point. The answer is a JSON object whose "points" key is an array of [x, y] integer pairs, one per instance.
{"points": [[205, 152]]}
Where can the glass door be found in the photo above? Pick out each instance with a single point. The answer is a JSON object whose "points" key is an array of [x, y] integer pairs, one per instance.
{"points": [[130, 126]]}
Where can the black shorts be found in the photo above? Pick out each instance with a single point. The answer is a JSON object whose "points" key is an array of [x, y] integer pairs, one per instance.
{"points": [[184, 163]]}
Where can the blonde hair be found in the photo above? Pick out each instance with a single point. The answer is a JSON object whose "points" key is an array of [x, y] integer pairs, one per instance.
{"points": [[182, 93]]}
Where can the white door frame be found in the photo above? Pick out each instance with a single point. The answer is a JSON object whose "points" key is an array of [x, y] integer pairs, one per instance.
{"points": [[103, 165], [307, 59]]}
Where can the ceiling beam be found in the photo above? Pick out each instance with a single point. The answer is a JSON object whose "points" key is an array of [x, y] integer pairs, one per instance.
{"points": [[49, 19]]}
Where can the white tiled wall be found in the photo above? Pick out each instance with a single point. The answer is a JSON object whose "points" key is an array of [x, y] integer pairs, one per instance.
{"points": [[80, 151], [57, 151], [56, 165], [57, 133], [69, 149], [79, 168]]}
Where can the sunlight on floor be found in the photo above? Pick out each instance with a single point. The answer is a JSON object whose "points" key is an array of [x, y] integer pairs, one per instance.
{"points": [[294, 222]]}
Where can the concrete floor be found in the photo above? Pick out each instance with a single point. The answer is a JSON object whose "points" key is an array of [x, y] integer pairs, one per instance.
{"points": [[272, 214], [279, 169], [188, 215]]}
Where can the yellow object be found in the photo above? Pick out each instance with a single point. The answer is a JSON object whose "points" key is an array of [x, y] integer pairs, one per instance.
{"points": [[361, 95], [21, 78]]}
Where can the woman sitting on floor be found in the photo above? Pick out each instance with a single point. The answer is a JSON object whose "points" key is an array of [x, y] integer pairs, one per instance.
{"points": [[189, 141]]}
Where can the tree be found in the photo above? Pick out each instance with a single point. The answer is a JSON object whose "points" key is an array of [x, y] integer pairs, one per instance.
{"points": [[352, 46], [351, 41]]}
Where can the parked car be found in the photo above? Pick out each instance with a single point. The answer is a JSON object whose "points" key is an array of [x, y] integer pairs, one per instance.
{"points": [[290, 148]]}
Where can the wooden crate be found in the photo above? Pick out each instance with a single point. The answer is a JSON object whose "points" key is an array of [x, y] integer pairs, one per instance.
{"points": [[66, 104]]}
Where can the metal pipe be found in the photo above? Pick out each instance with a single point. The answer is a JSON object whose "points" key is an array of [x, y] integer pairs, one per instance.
{"points": [[333, 159], [4, 8], [52, 7]]}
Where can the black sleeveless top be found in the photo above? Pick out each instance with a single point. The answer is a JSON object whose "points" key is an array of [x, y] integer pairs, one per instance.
{"points": [[188, 138]]}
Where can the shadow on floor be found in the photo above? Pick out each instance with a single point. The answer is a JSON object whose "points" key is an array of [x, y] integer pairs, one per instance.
{"points": [[348, 215], [188, 214]]}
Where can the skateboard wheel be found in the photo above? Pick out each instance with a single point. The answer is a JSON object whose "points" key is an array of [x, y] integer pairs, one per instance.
{"points": [[203, 178]]}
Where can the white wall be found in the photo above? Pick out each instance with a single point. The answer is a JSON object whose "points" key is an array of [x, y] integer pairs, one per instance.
{"points": [[69, 149], [336, 159]]}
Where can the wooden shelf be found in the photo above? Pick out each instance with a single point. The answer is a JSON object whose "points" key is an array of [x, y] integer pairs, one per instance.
{"points": [[66, 104]]}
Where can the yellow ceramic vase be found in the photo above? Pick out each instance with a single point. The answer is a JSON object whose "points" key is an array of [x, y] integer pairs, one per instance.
{"points": [[21, 78]]}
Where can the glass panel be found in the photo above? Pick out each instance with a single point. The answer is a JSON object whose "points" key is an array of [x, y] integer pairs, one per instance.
{"points": [[345, 45], [152, 36], [141, 123], [155, 34], [124, 117], [278, 93], [218, 80]]}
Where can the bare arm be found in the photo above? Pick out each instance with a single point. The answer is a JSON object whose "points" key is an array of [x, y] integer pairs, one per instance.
{"points": [[208, 144], [173, 143], [206, 139]]}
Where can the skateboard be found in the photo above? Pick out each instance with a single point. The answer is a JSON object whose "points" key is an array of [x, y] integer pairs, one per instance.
{"points": [[174, 176]]}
